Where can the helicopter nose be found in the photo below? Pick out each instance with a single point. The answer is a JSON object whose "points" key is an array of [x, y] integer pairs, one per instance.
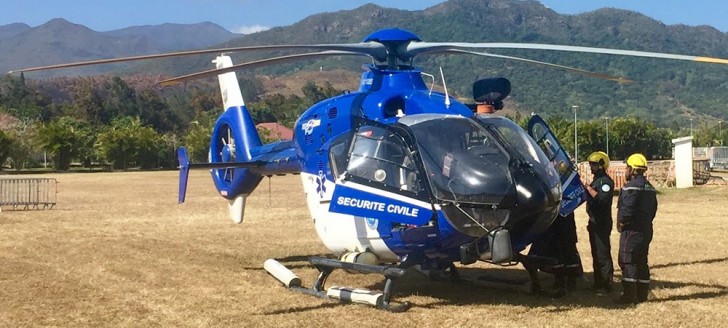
{"points": [[537, 205]]}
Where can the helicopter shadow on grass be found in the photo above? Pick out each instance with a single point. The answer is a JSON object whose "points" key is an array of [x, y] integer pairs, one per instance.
{"points": [[500, 286], [511, 287], [291, 262], [503, 286]]}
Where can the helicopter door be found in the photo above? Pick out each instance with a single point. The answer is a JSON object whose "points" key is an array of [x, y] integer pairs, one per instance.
{"points": [[573, 192], [380, 179]]}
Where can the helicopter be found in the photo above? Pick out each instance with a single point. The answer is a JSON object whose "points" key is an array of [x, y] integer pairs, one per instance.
{"points": [[398, 176]]}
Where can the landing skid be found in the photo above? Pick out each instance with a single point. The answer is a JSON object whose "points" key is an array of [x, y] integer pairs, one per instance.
{"points": [[380, 300]]}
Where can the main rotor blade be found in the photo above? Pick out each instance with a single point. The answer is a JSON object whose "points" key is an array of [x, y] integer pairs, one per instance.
{"points": [[373, 49], [568, 68], [259, 63], [416, 48]]}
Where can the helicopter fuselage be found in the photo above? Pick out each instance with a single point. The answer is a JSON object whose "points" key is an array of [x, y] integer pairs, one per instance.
{"points": [[397, 170]]}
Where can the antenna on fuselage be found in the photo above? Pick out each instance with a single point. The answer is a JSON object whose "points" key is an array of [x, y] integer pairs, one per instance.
{"points": [[444, 85]]}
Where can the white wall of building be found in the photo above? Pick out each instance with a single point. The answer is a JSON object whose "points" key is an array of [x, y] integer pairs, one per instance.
{"points": [[683, 150]]}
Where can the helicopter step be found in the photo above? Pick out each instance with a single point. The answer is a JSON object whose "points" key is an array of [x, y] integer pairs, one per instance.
{"points": [[378, 299]]}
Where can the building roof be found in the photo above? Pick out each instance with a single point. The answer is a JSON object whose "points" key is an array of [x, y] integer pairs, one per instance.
{"points": [[277, 131]]}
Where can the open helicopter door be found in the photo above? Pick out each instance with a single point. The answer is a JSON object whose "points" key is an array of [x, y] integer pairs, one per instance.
{"points": [[572, 189]]}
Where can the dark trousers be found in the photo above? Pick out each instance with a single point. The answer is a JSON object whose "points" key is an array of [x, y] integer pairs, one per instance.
{"points": [[558, 243], [634, 246], [601, 254]]}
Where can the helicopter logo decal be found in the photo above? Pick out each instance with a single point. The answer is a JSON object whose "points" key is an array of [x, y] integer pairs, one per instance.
{"points": [[310, 125]]}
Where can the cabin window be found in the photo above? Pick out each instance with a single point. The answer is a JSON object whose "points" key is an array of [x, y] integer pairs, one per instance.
{"points": [[381, 157]]}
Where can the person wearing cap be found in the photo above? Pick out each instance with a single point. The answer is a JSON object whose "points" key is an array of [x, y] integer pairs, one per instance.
{"points": [[636, 208], [599, 209]]}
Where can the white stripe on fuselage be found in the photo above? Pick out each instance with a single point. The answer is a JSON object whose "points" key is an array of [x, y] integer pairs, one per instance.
{"points": [[342, 232]]}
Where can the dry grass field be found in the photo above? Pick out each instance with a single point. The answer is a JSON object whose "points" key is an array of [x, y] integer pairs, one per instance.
{"points": [[118, 251]]}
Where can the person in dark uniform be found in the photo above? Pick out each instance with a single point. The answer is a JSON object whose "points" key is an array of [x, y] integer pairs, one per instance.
{"points": [[636, 208], [559, 244], [599, 209]]}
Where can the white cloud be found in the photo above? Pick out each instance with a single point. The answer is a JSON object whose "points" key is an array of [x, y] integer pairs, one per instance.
{"points": [[250, 29]]}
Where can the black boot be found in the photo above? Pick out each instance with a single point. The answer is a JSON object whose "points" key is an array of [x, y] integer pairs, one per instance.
{"points": [[643, 290], [571, 282], [535, 288], [559, 289], [559, 280], [629, 293], [608, 286]]}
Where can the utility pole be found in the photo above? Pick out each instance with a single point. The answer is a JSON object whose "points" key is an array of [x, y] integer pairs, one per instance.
{"points": [[606, 120], [576, 141]]}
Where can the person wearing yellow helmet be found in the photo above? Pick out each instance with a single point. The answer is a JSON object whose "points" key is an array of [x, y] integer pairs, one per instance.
{"points": [[636, 209], [599, 209], [637, 162]]}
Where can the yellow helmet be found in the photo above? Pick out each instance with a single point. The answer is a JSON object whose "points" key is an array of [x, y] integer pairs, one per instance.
{"points": [[599, 157], [637, 161]]}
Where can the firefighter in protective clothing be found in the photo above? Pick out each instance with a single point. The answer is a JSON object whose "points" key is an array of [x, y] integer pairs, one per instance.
{"points": [[558, 243], [599, 209], [636, 208]]}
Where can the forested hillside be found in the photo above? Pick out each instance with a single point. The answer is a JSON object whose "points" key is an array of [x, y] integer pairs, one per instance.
{"points": [[665, 92], [127, 120]]}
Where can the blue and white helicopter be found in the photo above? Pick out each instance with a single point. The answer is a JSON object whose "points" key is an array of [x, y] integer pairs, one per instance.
{"points": [[397, 176]]}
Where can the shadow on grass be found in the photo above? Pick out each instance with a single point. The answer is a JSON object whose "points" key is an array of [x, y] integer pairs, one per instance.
{"points": [[326, 305], [503, 292], [291, 262], [509, 287], [706, 261]]}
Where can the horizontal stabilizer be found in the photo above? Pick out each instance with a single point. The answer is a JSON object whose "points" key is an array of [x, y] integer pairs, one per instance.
{"points": [[227, 165]]}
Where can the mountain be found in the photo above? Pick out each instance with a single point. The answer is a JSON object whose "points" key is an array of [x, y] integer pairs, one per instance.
{"points": [[167, 36], [666, 92], [10, 30], [60, 41]]}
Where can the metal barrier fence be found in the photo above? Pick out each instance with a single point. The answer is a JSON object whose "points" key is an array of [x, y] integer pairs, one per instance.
{"points": [[717, 156], [28, 193]]}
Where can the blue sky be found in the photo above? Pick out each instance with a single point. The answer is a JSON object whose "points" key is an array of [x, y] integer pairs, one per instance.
{"points": [[252, 15]]}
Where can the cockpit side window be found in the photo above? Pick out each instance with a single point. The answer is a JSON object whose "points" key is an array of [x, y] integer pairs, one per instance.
{"points": [[381, 157], [338, 154]]}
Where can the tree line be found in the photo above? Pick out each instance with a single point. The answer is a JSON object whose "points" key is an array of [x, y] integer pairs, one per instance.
{"points": [[124, 123], [132, 123]]}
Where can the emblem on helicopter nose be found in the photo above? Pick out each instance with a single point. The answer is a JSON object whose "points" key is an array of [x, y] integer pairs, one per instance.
{"points": [[310, 125], [372, 223], [321, 184]]}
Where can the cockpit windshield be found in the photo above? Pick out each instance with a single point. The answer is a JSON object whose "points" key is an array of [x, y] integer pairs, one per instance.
{"points": [[516, 138], [463, 161]]}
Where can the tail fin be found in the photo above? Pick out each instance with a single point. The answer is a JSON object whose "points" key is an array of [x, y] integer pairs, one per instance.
{"points": [[184, 172], [233, 137], [229, 87]]}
